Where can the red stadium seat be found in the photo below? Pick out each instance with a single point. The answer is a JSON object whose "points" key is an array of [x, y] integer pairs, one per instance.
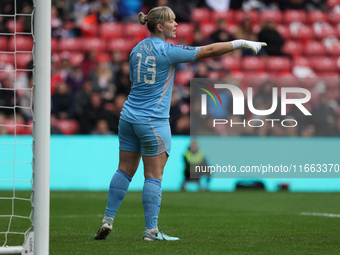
{"points": [[76, 58], [22, 59], [315, 48], [254, 80], [183, 77], [240, 15], [293, 48], [105, 57], [123, 45], [272, 15], [301, 61], [111, 30], [214, 74], [334, 49], [185, 31], [278, 64], [7, 58], [231, 63], [3, 43], [68, 127], [324, 64], [332, 3], [290, 16], [325, 31], [207, 29], [18, 128], [96, 44], [284, 75], [71, 44], [303, 33], [228, 16], [317, 16], [201, 15], [54, 44], [89, 29], [335, 17], [284, 31], [252, 64], [23, 43], [15, 26], [135, 31]]}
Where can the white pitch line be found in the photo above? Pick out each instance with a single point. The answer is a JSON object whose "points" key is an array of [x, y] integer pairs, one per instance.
{"points": [[321, 214]]}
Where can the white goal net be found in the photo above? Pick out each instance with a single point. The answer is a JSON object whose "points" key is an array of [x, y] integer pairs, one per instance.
{"points": [[19, 187]]}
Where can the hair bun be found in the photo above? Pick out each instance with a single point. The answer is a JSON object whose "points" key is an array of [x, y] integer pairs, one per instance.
{"points": [[142, 18]]}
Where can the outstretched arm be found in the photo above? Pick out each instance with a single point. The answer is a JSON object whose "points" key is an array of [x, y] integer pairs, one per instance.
{"points": [[217, 49]]}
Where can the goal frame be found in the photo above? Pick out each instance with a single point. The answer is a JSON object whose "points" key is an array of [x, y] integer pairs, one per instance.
{"points": [[37, 242]]}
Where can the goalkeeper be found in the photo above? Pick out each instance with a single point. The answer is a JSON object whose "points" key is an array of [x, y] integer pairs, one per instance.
{"points": [[144, 130]]}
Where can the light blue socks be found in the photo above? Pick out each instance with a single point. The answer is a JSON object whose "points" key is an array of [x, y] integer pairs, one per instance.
{"points": [[118, 187], [152, 194]]}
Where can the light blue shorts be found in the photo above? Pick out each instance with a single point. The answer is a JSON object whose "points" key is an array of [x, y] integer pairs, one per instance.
{"points": [[150, 139]]}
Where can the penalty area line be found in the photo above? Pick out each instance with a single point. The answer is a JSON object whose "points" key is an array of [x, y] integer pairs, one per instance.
{"points": [[330, 215]]}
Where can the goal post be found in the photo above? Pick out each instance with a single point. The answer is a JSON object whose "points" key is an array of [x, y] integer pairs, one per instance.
{"points": [[41, 127]]}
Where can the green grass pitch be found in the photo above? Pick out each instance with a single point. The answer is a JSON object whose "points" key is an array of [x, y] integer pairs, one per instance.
{"points": [[242, 222]]}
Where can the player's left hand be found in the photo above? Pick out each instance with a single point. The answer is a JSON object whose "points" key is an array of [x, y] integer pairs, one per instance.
{"points": [[255, 47]]}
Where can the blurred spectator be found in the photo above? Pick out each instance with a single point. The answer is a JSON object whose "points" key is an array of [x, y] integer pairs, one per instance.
{"points": [[7, 8], [54, 126], [199, 39], [194, 157], [106, 10], [82, 98], [62, 102], [115, 62], [182, 9], [292, 4], [3, 129], [64, 7], [272, 37], [118, 104], [75, 79], [56, 23], [7, 96], [324, 117], [303, 120], [308, 131], [65, 64], [89, 64], [81, 9], [123, 79], [27, 19], [183, 125], [102, 80], [3, 28], [102, 128], [93, 112], [26, 101], [263, 99], [218, 5], [221, 34], [245, 31]]}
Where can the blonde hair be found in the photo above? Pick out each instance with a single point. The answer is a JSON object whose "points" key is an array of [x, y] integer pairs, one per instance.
{"points": [[157, 15]]}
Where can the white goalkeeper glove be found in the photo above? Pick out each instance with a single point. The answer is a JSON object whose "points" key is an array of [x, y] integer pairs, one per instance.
{"points": [[255, 47]]}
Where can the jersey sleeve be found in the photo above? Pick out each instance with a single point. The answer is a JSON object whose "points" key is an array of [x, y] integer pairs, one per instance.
{"points": [[180, 53]]}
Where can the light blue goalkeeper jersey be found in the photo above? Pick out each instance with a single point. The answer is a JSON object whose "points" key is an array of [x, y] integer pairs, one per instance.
{"points": [[152, 72]]}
